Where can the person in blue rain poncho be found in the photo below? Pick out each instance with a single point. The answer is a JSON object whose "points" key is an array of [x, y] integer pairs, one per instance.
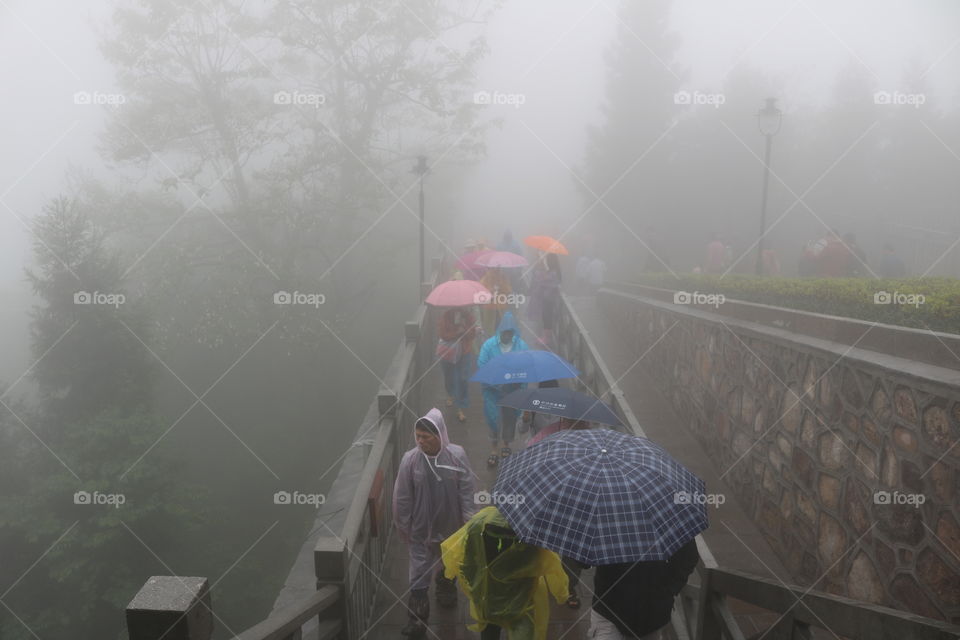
{"points": [[432, 498], [500, 420]]}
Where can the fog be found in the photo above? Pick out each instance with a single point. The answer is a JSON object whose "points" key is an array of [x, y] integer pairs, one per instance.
{"points": [[577, 120]]}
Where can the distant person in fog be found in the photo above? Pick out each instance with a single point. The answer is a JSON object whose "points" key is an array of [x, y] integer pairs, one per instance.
{"points": [[891, 266], [716, 259]]}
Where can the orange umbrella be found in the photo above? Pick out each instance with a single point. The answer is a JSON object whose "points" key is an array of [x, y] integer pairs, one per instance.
{"points": [[546, 244]]}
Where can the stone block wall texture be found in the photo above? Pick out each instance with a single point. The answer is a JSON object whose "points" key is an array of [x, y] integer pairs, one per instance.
{"points": [[813, 442]]}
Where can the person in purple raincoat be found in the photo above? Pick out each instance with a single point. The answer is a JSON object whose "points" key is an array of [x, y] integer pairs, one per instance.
{"points": [[432, 498]]}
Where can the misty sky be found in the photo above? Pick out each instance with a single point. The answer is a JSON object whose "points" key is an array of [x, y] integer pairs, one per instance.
{"points": [[550, 52]]}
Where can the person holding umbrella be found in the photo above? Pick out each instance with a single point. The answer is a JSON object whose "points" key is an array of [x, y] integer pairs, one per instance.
{"points": [[618, 588], [433, 497], [616, 502], [456, 331], [501, 422]]}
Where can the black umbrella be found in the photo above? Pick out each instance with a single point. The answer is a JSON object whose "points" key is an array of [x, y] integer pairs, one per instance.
{"points": [[561, 402]]}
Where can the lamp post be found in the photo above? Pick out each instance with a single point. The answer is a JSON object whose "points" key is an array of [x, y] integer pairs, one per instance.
{"points": [[421, 170], [768, 119]]}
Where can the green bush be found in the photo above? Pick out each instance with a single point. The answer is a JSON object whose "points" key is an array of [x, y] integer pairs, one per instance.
{"points": [[935, 302]]}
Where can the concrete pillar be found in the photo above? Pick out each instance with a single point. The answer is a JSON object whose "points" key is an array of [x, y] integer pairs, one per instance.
{"points": [[172, 608]]}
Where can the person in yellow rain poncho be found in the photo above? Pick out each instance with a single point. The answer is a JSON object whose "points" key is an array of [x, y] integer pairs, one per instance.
{"points": [[507, 581]]}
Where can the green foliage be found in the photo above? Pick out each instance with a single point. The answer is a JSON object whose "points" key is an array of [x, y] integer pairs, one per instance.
{"points": [[89, 558], [848, 297]]}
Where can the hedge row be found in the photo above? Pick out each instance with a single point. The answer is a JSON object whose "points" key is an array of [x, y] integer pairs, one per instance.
{"points": [[921, 303]]}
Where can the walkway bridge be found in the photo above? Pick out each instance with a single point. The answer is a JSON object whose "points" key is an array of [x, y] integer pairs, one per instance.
{"points": [[349, 581]]}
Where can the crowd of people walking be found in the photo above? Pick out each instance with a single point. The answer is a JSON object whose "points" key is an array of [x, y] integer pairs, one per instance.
{"points": [[497, 321]]}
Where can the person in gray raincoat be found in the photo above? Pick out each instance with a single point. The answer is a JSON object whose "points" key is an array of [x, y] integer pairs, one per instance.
{"points": [[432, 498]]}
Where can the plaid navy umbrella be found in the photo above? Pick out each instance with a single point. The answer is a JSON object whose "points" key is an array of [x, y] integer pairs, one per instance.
{"points": [[601, 497]]}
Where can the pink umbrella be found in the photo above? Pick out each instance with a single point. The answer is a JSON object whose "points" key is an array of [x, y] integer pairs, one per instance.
{"points": [[458, 293], [467, 264], [504, 259]]}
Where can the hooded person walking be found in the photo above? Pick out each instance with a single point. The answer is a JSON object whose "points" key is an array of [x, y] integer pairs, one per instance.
{"points": [[502, 421], [432, 498]]}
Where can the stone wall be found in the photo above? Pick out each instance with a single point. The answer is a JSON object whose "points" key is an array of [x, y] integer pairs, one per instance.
{"points": [[813, 437]]}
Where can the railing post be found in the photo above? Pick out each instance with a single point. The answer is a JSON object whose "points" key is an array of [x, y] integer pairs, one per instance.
{"points": [[411, 331], [330, 565], [172, 608]]}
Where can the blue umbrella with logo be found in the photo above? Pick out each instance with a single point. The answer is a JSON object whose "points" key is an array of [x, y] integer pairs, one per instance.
{"points": [[565, 403], [524, 366], [601, 497]]}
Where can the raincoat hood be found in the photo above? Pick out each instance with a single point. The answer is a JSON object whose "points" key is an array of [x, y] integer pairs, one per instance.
{"points": [[435, 417], [433, 495], [508, 323]]}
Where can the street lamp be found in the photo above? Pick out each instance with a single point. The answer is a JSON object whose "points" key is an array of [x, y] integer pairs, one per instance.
{"points": [[421, 170], [768, 119]]}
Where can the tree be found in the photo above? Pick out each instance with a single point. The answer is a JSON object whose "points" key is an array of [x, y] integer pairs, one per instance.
{"points": [[86, 340], [638, 113]]}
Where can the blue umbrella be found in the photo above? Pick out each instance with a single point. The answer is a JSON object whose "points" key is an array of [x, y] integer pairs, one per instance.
{"points": [[601, 497], [524, 366], [565, 403]]}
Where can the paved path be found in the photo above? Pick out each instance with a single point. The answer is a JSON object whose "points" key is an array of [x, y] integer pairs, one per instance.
{"points": [[734, 539]]}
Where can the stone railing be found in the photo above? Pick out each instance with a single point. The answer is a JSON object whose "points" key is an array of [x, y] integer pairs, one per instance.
{"points": [[846, 458]]}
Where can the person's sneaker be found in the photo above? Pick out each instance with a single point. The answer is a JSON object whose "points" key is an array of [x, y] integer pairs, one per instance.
{"points": [[414, 629]]}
